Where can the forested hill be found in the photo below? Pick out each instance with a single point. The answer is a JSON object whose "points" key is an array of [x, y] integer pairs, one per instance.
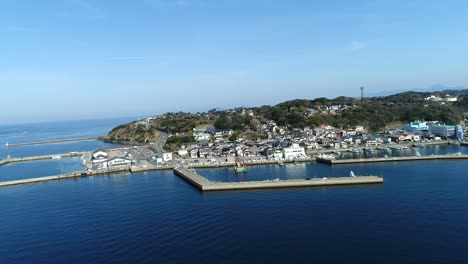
{"points": [[373, 113]]}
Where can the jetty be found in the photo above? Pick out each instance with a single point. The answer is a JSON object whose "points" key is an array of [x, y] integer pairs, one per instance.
{"points": [[52, 141], [205, 185], [392, 159], [43, 157]]}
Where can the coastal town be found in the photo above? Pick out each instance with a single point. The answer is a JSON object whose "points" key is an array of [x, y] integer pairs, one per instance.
{"points": [[214, 146], [287, 133]]}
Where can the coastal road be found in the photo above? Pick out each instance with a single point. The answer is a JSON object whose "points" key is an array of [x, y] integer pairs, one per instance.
{"points": [[159, 144]]}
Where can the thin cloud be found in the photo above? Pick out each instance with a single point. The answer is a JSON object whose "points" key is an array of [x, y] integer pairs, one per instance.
{"points": [[131, 58], [86, 9], [22, 29], [358, 45], [174, 3]]}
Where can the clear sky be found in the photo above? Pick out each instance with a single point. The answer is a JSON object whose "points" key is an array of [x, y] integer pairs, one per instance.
{"points": [[71, 59]]}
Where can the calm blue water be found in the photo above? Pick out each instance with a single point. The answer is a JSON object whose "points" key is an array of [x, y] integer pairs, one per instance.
{"points": [[56, 148], [419, 215], [52, 131], [17, 171], [424, 151], [58, 130]]}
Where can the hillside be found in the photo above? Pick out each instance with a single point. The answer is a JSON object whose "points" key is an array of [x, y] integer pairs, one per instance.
{"points": [[373, 113], [135, 132]]}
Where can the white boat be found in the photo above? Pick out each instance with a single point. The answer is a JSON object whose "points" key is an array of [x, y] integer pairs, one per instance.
{"points": [[417, 154], [280, 163], [327, 156], [56, 157], [351, 173]]}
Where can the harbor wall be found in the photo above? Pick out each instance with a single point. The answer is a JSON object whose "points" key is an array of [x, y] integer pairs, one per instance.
{"points": [[205, 185], [43, 157], [392, 159], [52, 141]]}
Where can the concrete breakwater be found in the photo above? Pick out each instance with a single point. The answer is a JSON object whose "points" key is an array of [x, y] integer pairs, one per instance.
{"points": [[392, 159], [43, 157], [205, 185], [52, 141], [248, 163]]}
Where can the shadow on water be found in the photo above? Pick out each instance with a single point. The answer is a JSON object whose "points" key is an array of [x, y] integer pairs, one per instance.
{"points": [[295, 189]]}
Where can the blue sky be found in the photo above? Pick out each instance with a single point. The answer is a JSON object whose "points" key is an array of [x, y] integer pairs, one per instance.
{"points": [[72, 59]]}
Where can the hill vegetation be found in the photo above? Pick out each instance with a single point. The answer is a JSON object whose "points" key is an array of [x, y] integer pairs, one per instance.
{"points": [[135, 132], [343, 112]]}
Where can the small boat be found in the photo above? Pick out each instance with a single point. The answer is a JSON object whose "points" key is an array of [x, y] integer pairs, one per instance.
{"points": [[56, 157], [280, 163], [369, 150], [351, 173], [355, 150], [417, 154], [239, 166], [326, 156]]}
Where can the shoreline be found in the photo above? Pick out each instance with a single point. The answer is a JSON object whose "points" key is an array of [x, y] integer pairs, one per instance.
{"points": [[223, 185]]}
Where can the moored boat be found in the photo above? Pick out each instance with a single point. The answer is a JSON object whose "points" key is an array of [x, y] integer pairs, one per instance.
{"points": [[240, 166]]}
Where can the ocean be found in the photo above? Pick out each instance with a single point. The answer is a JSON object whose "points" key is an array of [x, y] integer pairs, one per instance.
{"points": [[418, 215]]}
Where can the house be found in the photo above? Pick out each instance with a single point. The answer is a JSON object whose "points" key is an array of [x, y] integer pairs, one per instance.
{"points": [[182, 152], [193, 153], [203, 152]]}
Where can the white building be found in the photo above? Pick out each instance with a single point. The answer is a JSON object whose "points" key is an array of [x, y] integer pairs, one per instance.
{"points": [[119, 162], [100, 155], [294, 152], [443, 131], [167, 156]]}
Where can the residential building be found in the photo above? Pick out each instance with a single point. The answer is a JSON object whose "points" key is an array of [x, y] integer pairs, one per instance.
{"points": [[295, 151], [443, 131]]}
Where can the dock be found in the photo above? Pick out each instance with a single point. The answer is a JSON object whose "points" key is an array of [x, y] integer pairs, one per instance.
{"points": [[43, 157], [42, 179], [393, 159], [205, 185], [52, 141]]}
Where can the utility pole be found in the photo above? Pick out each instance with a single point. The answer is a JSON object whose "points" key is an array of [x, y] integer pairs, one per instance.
{"points": [[362, 94]]}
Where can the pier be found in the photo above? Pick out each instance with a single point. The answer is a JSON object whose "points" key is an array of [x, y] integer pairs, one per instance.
{"points": [[393, 159], [205, 185], [52, 141], [43, 157]]}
